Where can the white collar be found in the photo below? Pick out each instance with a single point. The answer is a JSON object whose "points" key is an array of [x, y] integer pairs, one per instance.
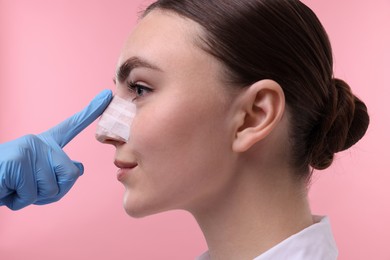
{"points": [[314, 242]]}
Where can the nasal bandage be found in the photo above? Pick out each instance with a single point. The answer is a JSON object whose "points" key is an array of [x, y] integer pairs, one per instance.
{"points": [[116, 120]]}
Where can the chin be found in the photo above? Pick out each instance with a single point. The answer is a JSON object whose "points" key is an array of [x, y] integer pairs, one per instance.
{"points": [[138, 209], [140, 212], [133, 209], [134, 213]]}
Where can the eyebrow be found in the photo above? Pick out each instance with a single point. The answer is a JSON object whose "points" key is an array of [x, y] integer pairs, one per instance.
{"points": [[134, 62]]}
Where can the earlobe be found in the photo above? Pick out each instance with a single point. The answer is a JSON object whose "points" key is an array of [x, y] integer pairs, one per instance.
{"points": [[262, 108]]}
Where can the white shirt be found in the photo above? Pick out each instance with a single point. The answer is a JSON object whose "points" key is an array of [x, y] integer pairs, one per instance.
{"points": [[315, 242]]}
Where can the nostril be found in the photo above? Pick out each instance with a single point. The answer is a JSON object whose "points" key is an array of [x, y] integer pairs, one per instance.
{"points": [[101, 138], [108, 140], [105, 138]]}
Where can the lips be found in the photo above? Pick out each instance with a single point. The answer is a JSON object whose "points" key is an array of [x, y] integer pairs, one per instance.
{"points": [[125, 165], [125, 169]]}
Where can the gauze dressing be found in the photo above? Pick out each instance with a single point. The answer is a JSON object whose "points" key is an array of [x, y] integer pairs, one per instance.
{"points": [[116, 120]]}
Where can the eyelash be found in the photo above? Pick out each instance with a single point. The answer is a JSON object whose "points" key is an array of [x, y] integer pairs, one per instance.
{"points": [[135, 88]]}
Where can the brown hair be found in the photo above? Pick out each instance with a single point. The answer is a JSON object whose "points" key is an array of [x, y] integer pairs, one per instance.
{"points": [[282, 40]]}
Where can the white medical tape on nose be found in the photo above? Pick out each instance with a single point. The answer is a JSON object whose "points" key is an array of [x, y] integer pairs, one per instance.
{"points": [[116, 120]]}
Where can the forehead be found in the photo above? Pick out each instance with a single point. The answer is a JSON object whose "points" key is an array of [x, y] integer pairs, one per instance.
{"points": [[162, 36]]}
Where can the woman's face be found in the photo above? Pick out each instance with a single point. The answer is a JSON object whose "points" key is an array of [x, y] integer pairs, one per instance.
{"points": [[179, 153]]}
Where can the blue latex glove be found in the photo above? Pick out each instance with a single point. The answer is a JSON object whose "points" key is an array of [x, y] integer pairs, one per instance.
{"points": [[35, 170]]}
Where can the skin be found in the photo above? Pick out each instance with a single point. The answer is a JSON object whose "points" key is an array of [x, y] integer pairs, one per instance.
{"points": [[202, 147]]}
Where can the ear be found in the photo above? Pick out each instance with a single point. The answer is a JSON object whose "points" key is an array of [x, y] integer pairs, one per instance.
{"points": [[261, 108]]}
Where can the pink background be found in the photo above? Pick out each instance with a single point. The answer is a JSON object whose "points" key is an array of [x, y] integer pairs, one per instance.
{"points": [[56, 55]]}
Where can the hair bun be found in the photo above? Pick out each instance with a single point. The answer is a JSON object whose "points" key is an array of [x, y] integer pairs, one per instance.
{"points": [[346, 121]]}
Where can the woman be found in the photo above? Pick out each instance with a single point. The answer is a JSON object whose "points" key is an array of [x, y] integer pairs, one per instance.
{"points": [[236, 106]]}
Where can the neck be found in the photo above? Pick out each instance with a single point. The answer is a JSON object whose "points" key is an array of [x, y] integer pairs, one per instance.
{"points": [[254, 215]]}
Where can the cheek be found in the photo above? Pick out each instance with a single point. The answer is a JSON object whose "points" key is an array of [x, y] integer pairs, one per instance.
{"points": [[159, 131], [178, 140]]}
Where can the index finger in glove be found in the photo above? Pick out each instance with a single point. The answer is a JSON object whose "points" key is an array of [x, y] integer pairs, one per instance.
{"points": [[64, 132]]}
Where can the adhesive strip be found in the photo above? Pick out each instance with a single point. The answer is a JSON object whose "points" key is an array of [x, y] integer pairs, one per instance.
{"points": [[115, 122]]}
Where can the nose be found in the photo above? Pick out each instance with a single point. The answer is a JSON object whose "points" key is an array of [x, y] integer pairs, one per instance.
{"points": [[115, 123]]}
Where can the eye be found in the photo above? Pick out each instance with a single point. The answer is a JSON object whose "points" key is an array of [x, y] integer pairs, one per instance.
{"points": [[138, 90]]}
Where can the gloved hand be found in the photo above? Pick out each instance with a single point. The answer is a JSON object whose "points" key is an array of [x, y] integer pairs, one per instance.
{"points": [[35, 170]]}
